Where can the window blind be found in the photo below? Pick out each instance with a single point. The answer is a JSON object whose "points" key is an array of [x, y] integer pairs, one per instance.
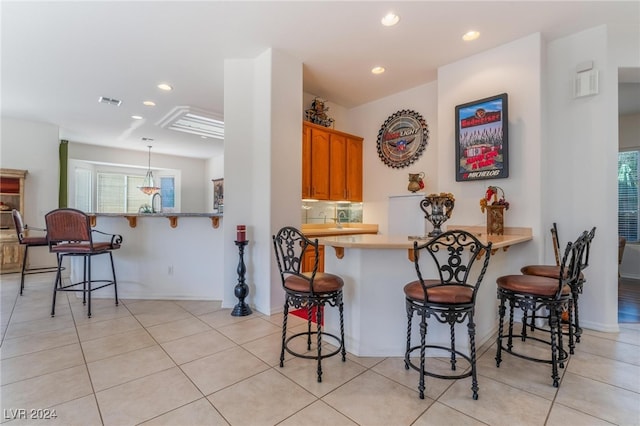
{"points": [[628, 194]]}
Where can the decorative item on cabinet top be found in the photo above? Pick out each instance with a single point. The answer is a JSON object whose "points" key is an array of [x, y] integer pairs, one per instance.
{"points": [[402, 138], [317, 114]]}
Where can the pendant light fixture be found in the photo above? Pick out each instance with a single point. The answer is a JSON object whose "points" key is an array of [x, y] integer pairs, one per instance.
{"points": [[148, 186]]}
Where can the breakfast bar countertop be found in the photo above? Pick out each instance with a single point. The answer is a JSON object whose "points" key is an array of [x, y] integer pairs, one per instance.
{"points": [[511, 236], [319, 230]]}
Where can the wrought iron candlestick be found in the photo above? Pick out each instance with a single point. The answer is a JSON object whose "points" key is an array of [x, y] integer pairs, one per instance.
{"points": [[441, 209], [241, 290]]}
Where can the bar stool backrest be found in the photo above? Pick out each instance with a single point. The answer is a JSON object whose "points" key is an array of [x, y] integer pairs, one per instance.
{"points": [[454, 253], [68, 226], [290, 245]]}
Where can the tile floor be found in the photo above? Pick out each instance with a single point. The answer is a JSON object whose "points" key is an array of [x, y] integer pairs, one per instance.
{"points": [[191, 363]]}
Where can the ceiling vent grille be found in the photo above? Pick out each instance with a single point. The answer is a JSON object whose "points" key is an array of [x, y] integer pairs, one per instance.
{"points": [[192, 120], [109, 101]]}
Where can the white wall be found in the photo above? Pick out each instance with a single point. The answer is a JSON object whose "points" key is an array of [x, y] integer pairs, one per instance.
{"points": [[33, 146], [381, 181], [581, 168], [263, 151], [629, 131], [195, 185]]}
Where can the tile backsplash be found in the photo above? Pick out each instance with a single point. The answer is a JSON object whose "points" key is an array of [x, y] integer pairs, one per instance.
{"points": [[329, 211]]}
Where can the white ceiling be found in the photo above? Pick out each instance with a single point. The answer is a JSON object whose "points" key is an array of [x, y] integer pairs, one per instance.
{"points": [[59, 57]]}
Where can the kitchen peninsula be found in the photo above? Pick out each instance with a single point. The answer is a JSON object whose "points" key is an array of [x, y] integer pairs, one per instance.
{"points": [[163, 255], [376, 267]]}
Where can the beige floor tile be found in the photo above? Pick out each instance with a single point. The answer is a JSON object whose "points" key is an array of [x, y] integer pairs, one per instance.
{"points": [[365, 361], [223, 317], [520, 373], [249, 330], [158, 312], [99, 313], [200, 412], [116, 344], [267, 349], [42, 362], [38, 342], [600, 400], [25, 328], [625, 335], [318, 413], [441, 415], [620, 351], [334, 373], [79, 412], [200, 307], [97, 330], [497, 404], [563, 416], [177, 329], [393, 368], [143, 399], [222, 369], [128, 366], [620, 374], [372, 399], [47, 390], [270, 397], [196, 346], [35, 312]]}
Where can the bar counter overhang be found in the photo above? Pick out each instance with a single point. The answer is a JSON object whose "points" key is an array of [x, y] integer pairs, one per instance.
{"points": [[376, 267]]}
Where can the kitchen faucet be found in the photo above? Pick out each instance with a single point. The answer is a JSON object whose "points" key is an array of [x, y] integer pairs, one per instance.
{"points": [[343, 215]]}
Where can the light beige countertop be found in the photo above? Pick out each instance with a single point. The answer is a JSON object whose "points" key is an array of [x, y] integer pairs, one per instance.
{"points": [[312, 230], [511, 236]]}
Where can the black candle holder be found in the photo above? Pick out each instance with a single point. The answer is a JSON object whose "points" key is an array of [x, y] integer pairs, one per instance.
{"points": [[241, 290]]}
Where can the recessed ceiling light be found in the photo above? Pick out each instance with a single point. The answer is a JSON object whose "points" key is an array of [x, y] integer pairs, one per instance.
{"points": [[377, 70], [471, 35], [149, 103], [164, 86], [136, 117], [390, 19]]}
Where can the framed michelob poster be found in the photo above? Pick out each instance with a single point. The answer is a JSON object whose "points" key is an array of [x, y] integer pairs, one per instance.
{"points": [[482, 142]]}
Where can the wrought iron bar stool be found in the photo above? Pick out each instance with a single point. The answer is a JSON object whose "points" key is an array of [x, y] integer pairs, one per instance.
{"points": [[450, 298], [552, 271], [69, 233], [307, 289], [532, 293], [27, 240]]}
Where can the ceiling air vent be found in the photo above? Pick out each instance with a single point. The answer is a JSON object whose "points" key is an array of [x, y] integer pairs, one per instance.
{"points": [[195, 121], [109, 101]]}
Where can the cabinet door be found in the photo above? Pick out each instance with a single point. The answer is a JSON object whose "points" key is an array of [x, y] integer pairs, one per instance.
{"points": [[309, 258], [353, 167], [10, 257], [306, 162], [319, 164], [337, 168]]}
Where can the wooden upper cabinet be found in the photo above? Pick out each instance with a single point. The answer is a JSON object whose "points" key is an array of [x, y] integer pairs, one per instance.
{"points": [[306, 162], [354, 169], [338, 168], [319, 164], [331, 164]]}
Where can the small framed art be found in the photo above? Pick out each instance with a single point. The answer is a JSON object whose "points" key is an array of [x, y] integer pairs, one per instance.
{"points": [[482, 139], [218, 195]]}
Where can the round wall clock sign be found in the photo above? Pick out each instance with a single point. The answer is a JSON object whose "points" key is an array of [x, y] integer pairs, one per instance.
{"points": [[402, 138]]}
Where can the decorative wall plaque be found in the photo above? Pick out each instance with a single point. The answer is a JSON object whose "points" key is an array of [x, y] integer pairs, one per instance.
{"points": [[402, 138]]}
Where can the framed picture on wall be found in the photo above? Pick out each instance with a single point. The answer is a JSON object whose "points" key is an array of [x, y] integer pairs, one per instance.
{"points": [[482, 139], [218, 195]]}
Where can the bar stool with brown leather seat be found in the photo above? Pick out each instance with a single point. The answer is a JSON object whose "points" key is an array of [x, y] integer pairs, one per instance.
{"points": [[307, 289], [532, 293], [450, 298], [69, 233], [27, 239], [552, 271]]}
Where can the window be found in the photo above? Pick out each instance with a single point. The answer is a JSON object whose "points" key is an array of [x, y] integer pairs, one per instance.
{"points": [[83, 189], [167, 192], [119, 193], [628, 194]]}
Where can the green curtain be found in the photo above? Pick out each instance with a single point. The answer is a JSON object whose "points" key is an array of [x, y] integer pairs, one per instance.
{"points": [[64, 157]]}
